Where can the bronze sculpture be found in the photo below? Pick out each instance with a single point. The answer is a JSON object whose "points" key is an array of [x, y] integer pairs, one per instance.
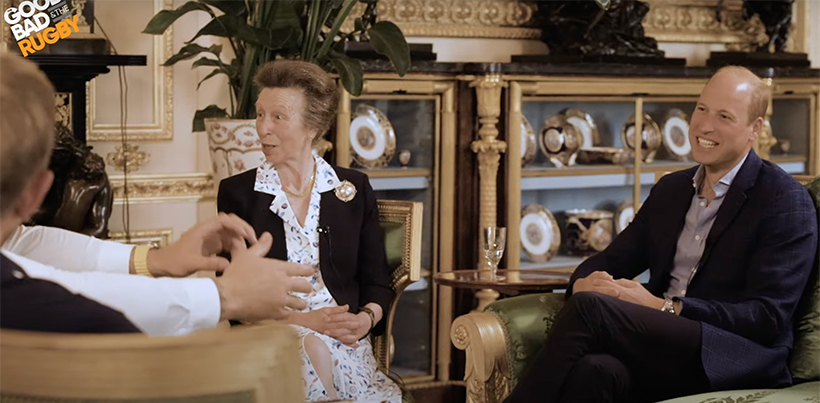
{"points": [[776, 16], [586, 28], [80, 199]]}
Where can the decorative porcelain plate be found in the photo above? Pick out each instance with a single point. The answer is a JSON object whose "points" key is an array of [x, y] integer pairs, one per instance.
{"points": [[651, 136], [540, 235], [676, 135], [585, 125], [624, 216], [559, 141], [529, 144], [372, 138]]}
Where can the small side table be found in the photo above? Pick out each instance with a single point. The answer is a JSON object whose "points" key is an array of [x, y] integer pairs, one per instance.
{"points": [[507, 281]]}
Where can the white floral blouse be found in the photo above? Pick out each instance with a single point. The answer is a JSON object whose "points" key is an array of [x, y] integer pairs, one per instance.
{"points": [[355, 373]]}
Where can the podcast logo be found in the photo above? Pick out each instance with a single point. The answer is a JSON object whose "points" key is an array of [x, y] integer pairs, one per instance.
{"points": [[31, 23]]}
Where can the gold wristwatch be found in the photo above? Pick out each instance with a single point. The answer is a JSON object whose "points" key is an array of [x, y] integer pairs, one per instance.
{"points": [[141, 260]]}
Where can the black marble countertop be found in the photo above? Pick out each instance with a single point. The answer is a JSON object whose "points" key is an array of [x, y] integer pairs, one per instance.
{"points": [[580, 69], [626, 70], [416, 67], [88, 60]]}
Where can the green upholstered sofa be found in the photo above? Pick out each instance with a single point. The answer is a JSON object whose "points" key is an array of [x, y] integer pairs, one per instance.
{"points": [[500, 341]]}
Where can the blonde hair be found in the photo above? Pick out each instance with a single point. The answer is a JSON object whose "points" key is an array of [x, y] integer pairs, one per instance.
{"points": [[27, 119], [321, 93], [759, 95]]}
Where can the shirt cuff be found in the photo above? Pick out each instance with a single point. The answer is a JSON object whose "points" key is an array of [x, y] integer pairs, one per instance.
{"points": [[203, 298], [115, 257]]}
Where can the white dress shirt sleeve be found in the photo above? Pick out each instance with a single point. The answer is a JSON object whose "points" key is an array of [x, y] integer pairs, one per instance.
{"points": [[157, 306], [69, 250]]}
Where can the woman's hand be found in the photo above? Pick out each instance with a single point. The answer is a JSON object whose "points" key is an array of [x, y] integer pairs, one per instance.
{"points": [[349, 328], [318, 320]]}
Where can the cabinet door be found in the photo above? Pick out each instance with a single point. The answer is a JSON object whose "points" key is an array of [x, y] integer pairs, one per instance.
{"points": [[791, 122], [562, 189], [577, 178], [396, 139]]}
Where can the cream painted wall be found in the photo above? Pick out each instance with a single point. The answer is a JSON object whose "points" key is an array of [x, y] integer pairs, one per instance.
{"points": [[814, 32], [187, 152], [480, 49]]}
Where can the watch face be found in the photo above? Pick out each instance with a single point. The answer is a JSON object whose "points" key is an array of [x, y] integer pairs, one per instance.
{"points": [[668, 306]]}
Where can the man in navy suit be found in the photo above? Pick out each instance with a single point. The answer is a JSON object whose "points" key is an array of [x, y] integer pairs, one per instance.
{"points": [[729, 245]]}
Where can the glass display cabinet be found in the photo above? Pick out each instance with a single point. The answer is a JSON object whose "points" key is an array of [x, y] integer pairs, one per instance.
{"points": [[400, 133], [573, 176]]}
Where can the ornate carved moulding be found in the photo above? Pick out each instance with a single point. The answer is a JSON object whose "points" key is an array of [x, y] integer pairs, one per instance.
{"points": [[667, 21], [695, 21], [460, 18], [164, 188]]}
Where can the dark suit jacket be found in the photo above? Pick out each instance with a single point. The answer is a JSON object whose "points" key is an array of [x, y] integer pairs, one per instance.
{"points": [[757, 259], [39, 305], [352, 257]]}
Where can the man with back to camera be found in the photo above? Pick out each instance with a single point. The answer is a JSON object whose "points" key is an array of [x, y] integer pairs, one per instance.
{"points": [[729, 245], [92, 291]]}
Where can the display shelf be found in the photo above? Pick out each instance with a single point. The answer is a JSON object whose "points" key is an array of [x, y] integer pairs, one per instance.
{"points": [[396, 172], [400, 183]]}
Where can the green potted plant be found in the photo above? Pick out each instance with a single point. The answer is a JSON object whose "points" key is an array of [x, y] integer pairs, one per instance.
{"points": [[262, 30]]}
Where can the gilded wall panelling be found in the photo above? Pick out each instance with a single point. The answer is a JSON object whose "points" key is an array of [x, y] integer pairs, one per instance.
{"points": [[459, 18], [164, 188], [127, 158], [161, 126], [63, 108], [688, 21], [694, 21], [157, 238]]}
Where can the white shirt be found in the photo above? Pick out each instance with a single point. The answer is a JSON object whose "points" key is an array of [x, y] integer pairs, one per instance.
{"points": [[302, 242], [98, 270]]}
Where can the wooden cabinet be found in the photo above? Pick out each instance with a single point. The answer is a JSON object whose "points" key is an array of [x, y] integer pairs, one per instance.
{"points": [[400, 132], [461, 125], [540, 198]]}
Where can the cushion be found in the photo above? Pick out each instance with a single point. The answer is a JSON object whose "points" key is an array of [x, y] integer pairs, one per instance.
{"points": [[808, 392], [393, 243], [804, 361], [527, 320], [236, 397]]}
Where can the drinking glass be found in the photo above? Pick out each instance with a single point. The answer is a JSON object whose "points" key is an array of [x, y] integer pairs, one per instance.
{"points": [[492, 241]]}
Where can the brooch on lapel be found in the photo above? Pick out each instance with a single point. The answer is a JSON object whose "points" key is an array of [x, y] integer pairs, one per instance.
{"points": [[346, 191]]}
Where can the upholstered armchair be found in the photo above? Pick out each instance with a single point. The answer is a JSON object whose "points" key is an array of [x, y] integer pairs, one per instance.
{"points": [[500, 342], [252, 364], [401, 222]]}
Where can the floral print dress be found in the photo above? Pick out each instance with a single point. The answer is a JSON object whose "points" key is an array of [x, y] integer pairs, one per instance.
{"points": [[355, 372]]}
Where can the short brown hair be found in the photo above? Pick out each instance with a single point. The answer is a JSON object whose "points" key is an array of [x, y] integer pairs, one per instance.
{"points": [[759, 102], [321, 94], [27, 117]]}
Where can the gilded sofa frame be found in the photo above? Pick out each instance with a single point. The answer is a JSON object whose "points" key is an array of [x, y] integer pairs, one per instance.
{"points": [[410, 215]]}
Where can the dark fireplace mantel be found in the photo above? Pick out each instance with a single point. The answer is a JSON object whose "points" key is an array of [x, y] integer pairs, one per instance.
{"points": [[69, 73]]}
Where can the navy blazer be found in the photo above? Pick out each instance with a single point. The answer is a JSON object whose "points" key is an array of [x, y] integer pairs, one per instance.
{"points": [[39, 305], [352, 257], [757, 259]]}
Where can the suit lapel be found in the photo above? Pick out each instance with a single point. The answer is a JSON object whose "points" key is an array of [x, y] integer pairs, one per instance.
{"points": [[329, 214], [270, 222], [735, 198], [677, 206]]}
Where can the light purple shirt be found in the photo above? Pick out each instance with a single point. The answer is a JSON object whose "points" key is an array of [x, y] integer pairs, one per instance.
{"points": [[699, 220]]}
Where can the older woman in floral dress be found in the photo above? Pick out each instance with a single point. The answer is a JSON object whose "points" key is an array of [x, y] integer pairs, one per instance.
{"points": [[323, 216]]}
